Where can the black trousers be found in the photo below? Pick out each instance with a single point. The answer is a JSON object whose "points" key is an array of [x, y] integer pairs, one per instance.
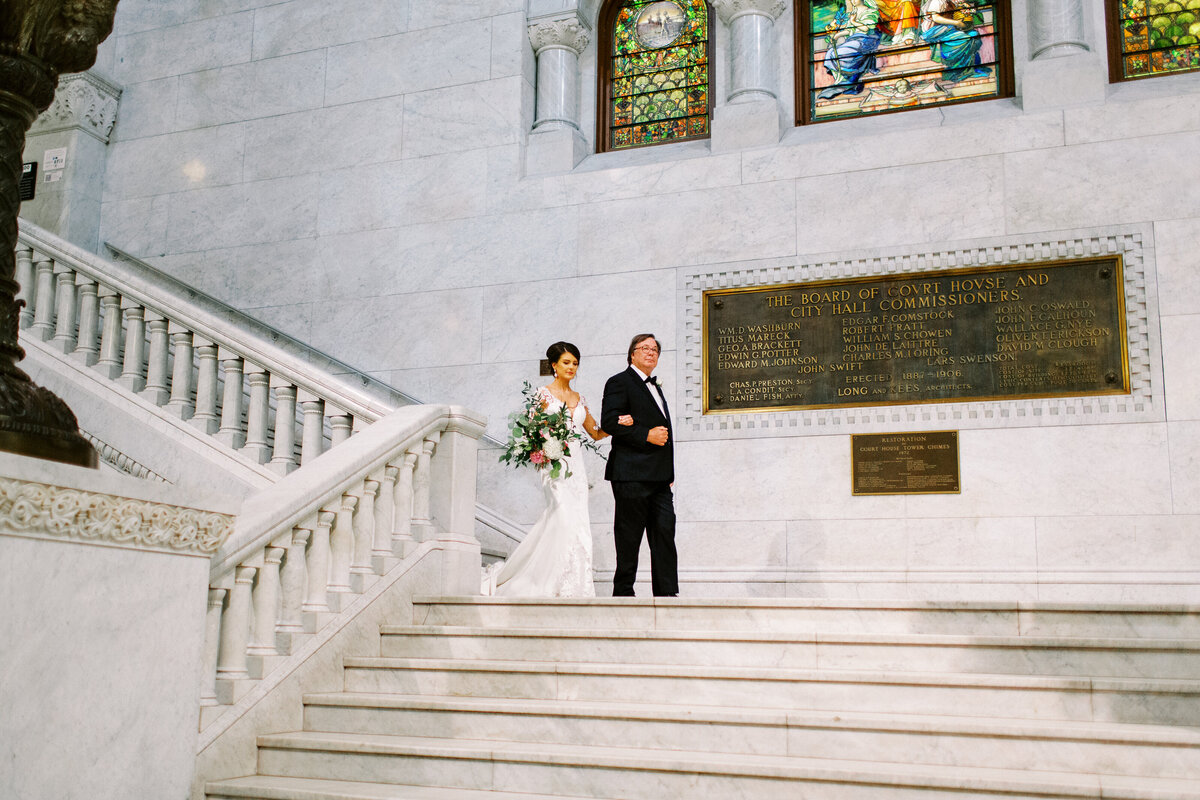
{"points": [[647, 506]]}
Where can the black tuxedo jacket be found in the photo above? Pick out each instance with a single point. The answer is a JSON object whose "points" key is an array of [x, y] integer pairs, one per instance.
{"points": [[632, 457]]}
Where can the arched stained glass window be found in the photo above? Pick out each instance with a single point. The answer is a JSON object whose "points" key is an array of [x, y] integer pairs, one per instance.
{"points": [[861, 57], [654, 82], [1153, 37]]}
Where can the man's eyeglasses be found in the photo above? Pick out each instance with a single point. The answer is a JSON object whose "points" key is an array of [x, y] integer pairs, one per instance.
{"points": [[647, 348]]}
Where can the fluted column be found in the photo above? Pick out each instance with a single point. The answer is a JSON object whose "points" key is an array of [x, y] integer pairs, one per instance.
{"points": [[43, 297], [558, 40], [1056, 28], [157, 386], [87, 347], [751, 35], [231, 434], [206, 418]]}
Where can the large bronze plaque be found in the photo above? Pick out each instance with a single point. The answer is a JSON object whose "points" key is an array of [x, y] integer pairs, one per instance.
{"points": [[1039, 330], [905, 463]]}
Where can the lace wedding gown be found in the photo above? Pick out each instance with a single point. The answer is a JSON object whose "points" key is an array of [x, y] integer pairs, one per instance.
{"points": [[555, 558]]}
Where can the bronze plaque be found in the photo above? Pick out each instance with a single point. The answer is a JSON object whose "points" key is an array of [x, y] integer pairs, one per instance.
{"points": [[905, 463], [1038, 330]]}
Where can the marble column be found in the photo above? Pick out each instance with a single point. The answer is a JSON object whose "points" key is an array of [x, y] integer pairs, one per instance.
{"points": [[1056, 28], [751, 114], [1062, 70], [556, 144]]}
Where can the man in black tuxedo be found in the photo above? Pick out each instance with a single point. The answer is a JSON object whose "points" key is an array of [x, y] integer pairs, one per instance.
{"points": [[641, 469]]}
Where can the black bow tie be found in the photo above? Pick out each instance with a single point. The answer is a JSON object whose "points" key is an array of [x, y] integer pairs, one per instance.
{"points": [[651, 380]]}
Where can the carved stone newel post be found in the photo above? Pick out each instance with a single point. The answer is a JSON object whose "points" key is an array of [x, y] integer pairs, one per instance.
{"points": [[38, 40]]}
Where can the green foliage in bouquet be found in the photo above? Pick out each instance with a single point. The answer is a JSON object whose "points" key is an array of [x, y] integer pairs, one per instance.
{"points": [[542, 439]]}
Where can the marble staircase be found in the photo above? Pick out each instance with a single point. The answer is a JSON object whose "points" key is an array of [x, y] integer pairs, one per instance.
{"points": [[642, 698]]}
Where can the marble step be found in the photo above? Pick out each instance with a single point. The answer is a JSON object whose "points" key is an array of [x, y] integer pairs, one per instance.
{"points": [[1141, 658], [1103, 748], [816, 615], [639, 774], [1166, 702], [274, 787]]}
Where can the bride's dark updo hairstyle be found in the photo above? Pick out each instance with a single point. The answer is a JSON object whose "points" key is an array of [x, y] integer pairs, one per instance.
{"points": [[554, 352]]}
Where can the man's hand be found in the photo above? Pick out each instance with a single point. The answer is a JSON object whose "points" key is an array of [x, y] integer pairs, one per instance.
{"points": [[657, 435]]}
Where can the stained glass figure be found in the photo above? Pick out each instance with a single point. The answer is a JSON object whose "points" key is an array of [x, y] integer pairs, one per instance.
{"points": [[863, 57], [1155, 37], [658, 74]]}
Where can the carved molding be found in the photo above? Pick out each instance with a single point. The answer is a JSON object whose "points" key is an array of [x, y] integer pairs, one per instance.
{"points": [[729, 10], [120, 461], [565, 31], [84, 101], [42, 509]]}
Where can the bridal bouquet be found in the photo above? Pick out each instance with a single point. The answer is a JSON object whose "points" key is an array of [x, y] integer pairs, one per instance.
{"points": [[542, 439]]}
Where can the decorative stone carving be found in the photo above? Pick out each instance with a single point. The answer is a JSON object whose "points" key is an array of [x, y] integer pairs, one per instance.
{"points": [[84, 101], [120, 461], [38, 508], [569, 32], [729, 10]]}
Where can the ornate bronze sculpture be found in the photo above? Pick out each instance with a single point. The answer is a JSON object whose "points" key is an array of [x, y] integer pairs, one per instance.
{"points": [[39, 39]]}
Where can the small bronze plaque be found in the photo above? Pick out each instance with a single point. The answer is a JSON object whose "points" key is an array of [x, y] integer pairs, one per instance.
{"points": [[1034, 330], [905, 463]]}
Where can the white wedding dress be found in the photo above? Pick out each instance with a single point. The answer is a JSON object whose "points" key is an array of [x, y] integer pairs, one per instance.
{"points": [[555, 558]]}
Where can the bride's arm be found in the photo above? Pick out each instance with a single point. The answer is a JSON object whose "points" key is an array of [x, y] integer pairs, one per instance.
{"points": [[593, 429]]}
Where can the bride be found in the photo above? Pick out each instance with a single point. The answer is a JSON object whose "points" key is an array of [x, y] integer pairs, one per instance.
{"points": [[555, 558]]}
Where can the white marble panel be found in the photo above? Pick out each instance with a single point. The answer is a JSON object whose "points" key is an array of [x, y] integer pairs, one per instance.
{"points": [[599, 313], [646, 180], [1131, 119], [974, 543], [134, 16], [249, 213], [1185, 466], [175, 162], [356, 264], [910, 139], [732, 544], [507, 188], [337, 137], [1097, 184], [512, 54], [484, 114], [263, 88], [1177, 261], [294, 320], [1181, 366], [403, 192], [902, 205], [402, 331], [276, 273], [772, 479], [853, 544], [729, 224], [1117, 544], [409, 62], [146, 109], [177, 50], [137, 226], [502, 251], [433, 13], [314, 24]]}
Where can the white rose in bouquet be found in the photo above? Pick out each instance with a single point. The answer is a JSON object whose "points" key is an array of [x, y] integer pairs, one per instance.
{"points": [[553, 449]]}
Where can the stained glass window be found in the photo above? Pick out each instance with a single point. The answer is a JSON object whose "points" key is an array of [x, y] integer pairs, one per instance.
{"points": [[862, 57], [1154, 37], [657, 87]]}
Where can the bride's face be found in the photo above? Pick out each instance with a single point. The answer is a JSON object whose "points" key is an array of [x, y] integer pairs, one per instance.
{"points": [[566, 367]]}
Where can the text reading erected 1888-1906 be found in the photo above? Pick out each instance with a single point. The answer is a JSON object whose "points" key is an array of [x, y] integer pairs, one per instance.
{"points": [[1037, 330]]}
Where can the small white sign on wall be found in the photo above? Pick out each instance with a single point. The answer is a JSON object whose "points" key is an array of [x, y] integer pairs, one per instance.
{"points": [[53, 177], [54, 159]]}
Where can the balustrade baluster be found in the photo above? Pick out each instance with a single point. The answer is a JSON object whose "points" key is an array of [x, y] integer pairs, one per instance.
{"points": [[292, 579], [109, 364], [339, 427], [65, 319], [206, 418], [133, 369], [258, 415], [364, 536], [230, 433], [43, 297], [341, 547], [212, 634], [180, 403], [402, 513], [25, 283], [422, 523], [316, 597], [87, 348], [156, 390], [312, 436], [385, 505], [235, 628], [283, 458], [266, 602]]}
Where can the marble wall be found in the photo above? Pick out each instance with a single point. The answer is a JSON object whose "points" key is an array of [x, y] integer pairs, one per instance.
{"points": [[355, 173]]}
